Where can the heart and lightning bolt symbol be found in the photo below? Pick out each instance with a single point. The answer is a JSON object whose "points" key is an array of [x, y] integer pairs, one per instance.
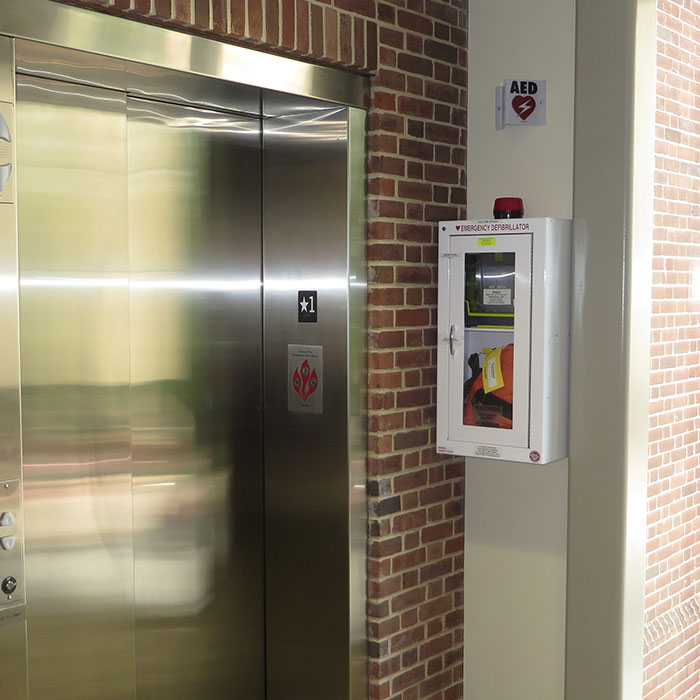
{"points": [[524, 106]]}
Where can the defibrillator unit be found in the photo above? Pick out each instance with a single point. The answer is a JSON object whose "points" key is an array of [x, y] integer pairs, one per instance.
{"points": [[503, 339]]}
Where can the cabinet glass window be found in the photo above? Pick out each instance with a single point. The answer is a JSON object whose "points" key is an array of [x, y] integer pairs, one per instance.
{"points": [[489, 318]]}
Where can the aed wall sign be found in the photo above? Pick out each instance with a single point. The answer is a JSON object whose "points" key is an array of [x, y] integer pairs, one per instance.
{"points": [[521, 101]]}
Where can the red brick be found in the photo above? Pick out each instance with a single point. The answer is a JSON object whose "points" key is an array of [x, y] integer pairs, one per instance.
{"points": [[411, 438], [413, 317], [434, 533], [422, 233], [436, 493], [416, 149], [414, 22], [331, 33], [415, 190], [440, 51], [219, 18], [438, 569], [407, 678], [442, 173], [387, 165], [358, 32], [444, 133], [391, 79], [383, 296], [441, 11], [386, 251], [272, 22], [238, 17], [377, 466], [316, 25], [410, 63], [414, 44], [416, 274], [303, 30], [391, 421], [381, 229], [345, 39], [415, 107], [440, 606], [408, 599], [288, 22], [386, 122], [384, 548], [408, 560], [413, 397], [381, 360], [409, 521], [391, 37], [436, 683], [386, 143], [163, 9], [383, 380], [413, 480], [181, 11], [411, 358], [387, 339], [442, 92], [372, 46], [359, 7], [255, 18], [202, 18]]}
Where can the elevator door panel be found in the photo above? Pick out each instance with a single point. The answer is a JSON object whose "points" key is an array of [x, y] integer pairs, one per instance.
{"points": [[140, 321], [74, 309], [194, 232]]}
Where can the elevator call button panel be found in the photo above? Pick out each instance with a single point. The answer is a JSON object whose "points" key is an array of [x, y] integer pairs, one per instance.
{"points": [[7, 189], [503, 351], [11, 544]]}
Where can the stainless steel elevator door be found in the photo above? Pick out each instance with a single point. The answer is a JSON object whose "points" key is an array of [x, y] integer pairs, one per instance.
{"points": [[140, 321], [196, 334], [74, 349]]}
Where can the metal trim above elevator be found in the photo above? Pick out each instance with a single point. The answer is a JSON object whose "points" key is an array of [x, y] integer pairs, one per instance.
{"points": [[97, 33]]}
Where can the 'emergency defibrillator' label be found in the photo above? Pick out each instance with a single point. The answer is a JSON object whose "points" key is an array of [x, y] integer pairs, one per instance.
{"points": [[496, 226]]}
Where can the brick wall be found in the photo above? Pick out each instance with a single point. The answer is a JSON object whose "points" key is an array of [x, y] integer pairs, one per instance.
{"points": [[416, 52], [672, 609]]}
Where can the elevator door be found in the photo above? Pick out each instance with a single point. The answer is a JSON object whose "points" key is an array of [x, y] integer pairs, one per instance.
{"points": [[140, 323]]}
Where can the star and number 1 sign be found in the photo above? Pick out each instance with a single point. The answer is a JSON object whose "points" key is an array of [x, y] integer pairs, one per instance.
{"points": [[307, 306]]}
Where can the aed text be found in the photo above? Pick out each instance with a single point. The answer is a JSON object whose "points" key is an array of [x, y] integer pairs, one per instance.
{"points": [[523, 87]]}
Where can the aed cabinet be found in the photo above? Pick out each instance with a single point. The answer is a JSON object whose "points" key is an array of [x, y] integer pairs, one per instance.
{"points": [[503, 339]]}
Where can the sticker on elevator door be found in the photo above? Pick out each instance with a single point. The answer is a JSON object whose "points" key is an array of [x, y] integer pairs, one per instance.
{"points": [[305, 378], [307, 306]]}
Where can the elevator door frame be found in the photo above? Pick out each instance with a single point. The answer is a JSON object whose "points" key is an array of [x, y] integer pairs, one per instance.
{"points": [[205, 79]]}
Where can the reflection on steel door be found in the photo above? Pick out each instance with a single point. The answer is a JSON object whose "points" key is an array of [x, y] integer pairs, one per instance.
{"points": [[141, 380]]}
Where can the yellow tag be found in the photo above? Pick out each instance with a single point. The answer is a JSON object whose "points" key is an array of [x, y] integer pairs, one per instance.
{"points": [[487, 241], [492, 374]]}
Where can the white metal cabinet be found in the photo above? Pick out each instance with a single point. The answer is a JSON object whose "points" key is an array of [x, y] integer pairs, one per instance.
{"points": [[503, 329]]}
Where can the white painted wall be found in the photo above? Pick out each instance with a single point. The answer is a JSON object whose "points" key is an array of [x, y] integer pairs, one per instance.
{"points": [[521, 39], [516, 514]]}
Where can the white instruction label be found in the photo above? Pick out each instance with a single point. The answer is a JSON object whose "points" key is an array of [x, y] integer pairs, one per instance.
{"points": [[498, 297], [487, 451]]}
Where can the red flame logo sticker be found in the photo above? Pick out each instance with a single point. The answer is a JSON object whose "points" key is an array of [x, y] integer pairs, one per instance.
{"points": [[305, 380]]}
